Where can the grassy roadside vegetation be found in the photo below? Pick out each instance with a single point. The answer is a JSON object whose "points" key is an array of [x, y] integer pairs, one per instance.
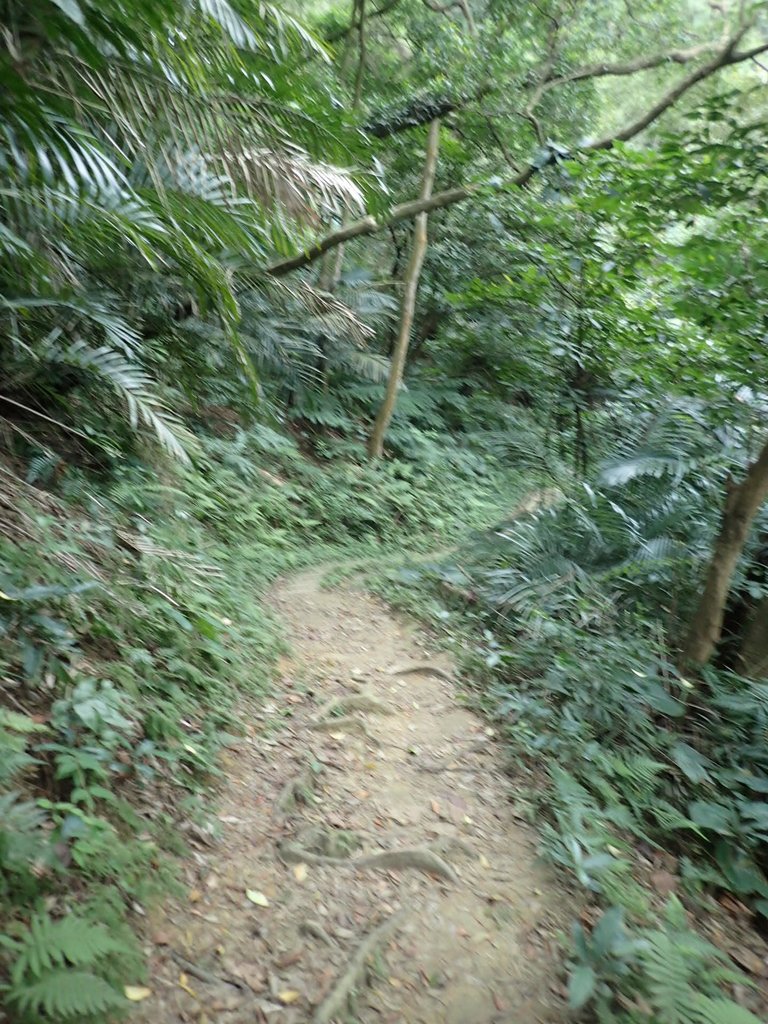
{"points": [[133, 620], [647, 792]]}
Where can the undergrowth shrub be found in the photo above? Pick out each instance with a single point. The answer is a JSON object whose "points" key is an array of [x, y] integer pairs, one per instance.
{"points": [[568, 618], [132, 620]]}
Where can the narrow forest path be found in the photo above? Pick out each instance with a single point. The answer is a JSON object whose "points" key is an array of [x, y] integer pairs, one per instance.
{"points": [[293, 905]]}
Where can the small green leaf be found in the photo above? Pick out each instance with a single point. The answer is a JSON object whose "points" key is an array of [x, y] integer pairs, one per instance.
{"points": [[690, 762], [715, 817], [581, 986]]}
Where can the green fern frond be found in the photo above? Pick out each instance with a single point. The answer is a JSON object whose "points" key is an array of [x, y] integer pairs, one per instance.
{"points": [[704, 1010], [66, 995], [48, 944], [668, 979], [640, 772], [22, 837]]}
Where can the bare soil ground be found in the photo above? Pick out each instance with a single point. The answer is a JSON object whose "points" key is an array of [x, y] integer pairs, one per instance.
{"points": [[293, 914]]}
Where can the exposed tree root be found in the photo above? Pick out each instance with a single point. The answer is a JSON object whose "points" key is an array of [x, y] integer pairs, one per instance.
{"points": [[316, 930], [296, 790], [419, 858], [364, 702], [336, 1001], [328, 842], [452, 844], [432, 670], [345, 723], [206, 976]]}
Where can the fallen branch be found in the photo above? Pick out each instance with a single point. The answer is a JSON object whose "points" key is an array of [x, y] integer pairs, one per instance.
{"points": [[205, 976], [335, 1002]]}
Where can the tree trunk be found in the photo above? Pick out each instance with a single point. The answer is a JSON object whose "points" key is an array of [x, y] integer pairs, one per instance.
{"points": [[358, 93], [741, 506], [753, 657], [410, 289]]}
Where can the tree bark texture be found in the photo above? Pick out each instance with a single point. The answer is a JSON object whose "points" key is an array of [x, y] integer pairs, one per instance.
{"points": [[741, 505], [410, 290]]}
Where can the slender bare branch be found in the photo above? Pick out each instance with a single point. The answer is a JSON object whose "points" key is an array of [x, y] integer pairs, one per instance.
{"points": [[723, 59], [354, 25], [452, 5], [408, 305], [553, 38], [631, 67], [358, 90]]}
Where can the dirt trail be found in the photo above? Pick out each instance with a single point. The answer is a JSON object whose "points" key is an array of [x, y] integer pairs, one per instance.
{"points": [[403, 768]]}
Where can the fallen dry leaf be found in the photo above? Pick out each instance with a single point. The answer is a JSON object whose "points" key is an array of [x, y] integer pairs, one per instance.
{"points": [[194, 896], [664, 882], [289, 959], [136, 993], [183, 982], [300, 872], [288, 996], [257, 897], [732, 905]]}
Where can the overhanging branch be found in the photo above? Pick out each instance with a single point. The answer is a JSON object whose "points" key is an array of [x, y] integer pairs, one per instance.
{"points": [[631, 67], [725, 58], [406, 211]]}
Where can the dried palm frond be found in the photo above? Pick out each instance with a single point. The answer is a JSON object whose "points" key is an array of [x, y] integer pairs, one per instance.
{"points": [[372, 366], [290, 179], [334, 315]]}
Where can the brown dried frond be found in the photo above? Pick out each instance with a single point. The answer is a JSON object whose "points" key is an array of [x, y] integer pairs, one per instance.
{"points": [[289, 178]]}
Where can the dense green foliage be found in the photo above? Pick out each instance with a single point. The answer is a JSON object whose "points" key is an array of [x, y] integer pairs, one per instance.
{"points": [[181, 420], [132, 623]]}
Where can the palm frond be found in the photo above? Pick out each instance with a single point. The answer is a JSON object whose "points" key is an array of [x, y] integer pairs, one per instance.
{"points": [[290, 179], [37, 144], [331, 315], [136, 389], [368, 365]]}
